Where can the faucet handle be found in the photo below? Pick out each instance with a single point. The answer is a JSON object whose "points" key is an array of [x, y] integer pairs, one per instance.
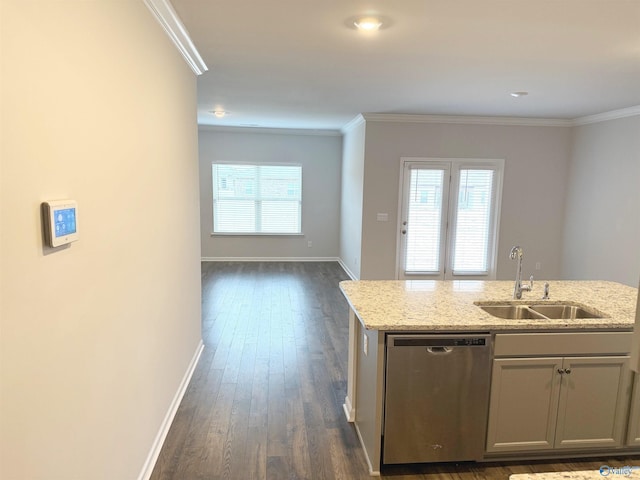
{"points": [[546, 291], [529, 287]]}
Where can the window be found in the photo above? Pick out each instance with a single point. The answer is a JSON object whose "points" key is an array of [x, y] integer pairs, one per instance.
{"points": [[257, 199], [449, 217]]}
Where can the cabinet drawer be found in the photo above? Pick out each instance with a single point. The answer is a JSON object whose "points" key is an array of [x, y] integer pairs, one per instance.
{"points": [[588, 343]]}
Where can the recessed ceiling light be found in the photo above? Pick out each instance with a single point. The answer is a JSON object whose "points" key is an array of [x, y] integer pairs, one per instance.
{"points": [[219, 113], [519, 94], [368, 24]]}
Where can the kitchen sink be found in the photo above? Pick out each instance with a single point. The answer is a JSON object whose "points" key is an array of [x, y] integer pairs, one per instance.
{"points": [[564, 311], [515, 312], [555, 311]]}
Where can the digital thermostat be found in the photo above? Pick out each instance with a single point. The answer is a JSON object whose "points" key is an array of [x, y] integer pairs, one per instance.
{"points": [[61, 222]]}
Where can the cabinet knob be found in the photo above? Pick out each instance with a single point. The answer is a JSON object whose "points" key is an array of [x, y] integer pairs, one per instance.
{"points": [[567, 371], [561, 371]]}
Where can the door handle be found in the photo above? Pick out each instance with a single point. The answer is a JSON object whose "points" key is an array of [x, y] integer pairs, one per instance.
{"points": [[404, 232]]}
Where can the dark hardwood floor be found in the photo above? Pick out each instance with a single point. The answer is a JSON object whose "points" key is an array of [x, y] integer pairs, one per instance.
{"points": [[265, 401]]}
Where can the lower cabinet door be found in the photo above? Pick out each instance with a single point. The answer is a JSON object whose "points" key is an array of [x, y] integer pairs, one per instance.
{"points": [[633, 437], [524, 403], [594, 396]]}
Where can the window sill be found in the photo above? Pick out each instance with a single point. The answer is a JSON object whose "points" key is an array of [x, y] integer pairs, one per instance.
{"points": [[257, 234]]}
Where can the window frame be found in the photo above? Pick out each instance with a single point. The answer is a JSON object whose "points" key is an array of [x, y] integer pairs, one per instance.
{"points": [[255, 233]]}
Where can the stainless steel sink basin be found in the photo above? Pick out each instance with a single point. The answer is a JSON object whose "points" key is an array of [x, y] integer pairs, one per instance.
{"points": [[550, 311], [511, 312], [566, 312]]}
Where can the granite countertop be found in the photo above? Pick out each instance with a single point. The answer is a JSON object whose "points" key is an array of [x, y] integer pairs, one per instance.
{"points": [[449, 305], [606, 472]]}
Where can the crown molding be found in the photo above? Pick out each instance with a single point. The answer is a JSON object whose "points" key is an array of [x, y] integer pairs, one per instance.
{"points": [[358, 120], [478, 120], [166, 16], [270, 131], [450, 119], [467, 120], [603, 117]]}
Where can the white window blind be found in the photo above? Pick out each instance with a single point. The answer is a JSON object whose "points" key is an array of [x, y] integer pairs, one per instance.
{"points": [[425, 220], [257, 199], [473, 221]]}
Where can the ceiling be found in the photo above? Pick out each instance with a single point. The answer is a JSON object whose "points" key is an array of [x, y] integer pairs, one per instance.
{"points": [[299, 64]]}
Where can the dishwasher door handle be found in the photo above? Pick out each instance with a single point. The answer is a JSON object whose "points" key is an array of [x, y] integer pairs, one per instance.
{"points": [[439, 350]]}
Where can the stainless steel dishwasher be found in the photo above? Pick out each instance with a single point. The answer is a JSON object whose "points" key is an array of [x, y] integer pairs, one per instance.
{"points": [[436, 397]]}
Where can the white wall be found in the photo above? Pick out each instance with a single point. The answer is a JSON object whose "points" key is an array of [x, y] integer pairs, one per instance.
{"points": [[602, 228], [536, 167], [351, 206], [320, 156], [97, 105]]}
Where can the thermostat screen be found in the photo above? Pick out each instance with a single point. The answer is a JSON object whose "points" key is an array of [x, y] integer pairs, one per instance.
{"points": [[65, 221]]}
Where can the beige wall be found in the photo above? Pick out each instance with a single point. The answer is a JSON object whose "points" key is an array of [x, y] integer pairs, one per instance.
{"points": [[98, 106], [602, 228], [536, 167], [319, 156], [351, 205]]}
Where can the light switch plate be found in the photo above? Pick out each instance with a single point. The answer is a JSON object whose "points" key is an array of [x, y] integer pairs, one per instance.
{"points": [[383, 217]]}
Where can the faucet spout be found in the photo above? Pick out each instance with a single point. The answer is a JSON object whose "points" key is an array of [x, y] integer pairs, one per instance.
{"points": [[517, 254]]}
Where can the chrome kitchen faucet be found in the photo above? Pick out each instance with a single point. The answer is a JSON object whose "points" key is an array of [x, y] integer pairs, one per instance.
{"points": [[517, 254]]}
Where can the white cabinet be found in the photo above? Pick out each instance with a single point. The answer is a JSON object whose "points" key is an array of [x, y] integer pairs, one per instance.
{"points": [[633, 436], [544, 403], [594, 397], [523, 405]]}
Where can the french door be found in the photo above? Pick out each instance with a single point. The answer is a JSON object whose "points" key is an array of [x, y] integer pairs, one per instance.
{"points": [[449, 212]]}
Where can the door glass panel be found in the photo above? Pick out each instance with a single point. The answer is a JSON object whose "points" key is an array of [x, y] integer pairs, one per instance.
{"points": [[424, 208], [473, 221]]}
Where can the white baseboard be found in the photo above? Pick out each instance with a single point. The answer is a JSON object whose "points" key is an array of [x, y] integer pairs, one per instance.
{"points": [[150, 463], [282, 259], [270, 259], [372, 472], [346, 269], [349, 411]]}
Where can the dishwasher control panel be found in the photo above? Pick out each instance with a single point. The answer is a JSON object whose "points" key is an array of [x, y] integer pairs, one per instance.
{"points": [[440, 342]]}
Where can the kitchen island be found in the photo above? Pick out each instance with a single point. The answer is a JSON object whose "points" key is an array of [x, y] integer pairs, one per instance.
{"points": [[381, 309]]}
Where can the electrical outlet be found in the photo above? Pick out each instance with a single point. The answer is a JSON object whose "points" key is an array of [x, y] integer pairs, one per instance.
{"points": [[365, 344], [538, 265], [309, 244]]}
